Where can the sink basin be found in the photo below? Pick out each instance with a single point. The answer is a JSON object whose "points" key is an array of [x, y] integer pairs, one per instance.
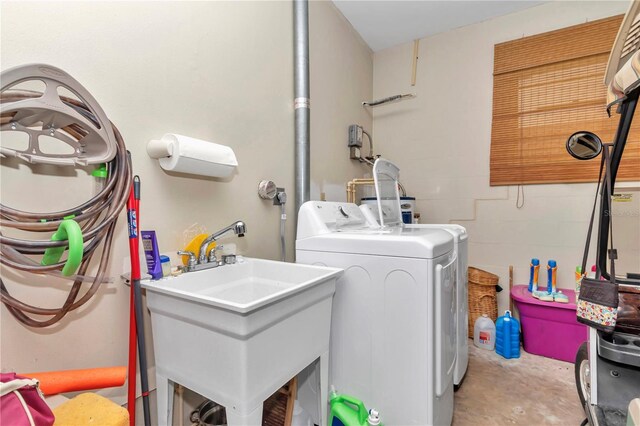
{"points": [[243, 287], [236, 333]]}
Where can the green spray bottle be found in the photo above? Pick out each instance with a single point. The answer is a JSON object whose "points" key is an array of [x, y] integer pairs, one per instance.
{"points": [[349, 411]]}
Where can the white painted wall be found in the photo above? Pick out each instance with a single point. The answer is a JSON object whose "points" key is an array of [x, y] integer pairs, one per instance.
{"points": [[441, 141], [220, 71], [342, 77]]}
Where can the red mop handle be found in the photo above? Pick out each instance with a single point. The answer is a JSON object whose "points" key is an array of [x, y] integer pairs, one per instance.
{"points": [[135, 259], [133, 251]]}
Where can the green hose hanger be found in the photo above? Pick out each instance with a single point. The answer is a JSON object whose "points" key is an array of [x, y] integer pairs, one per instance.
{"points": [[68, 230]]}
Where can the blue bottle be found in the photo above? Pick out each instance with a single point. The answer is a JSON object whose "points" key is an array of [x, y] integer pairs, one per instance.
{"points": [[533, 277], [508, 336], [552, 276]]}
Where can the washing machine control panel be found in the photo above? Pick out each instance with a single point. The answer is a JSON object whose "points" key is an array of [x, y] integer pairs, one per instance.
{"points": [[340, 215], [321, 217]]}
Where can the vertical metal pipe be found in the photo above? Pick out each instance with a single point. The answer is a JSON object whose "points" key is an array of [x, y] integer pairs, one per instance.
{"points": [[301, 102]]}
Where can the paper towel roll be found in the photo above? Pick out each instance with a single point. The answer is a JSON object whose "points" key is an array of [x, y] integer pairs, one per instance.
{"points": [[178, 153]]}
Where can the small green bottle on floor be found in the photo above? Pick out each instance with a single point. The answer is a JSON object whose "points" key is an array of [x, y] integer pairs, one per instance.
{"points": [[349, 411]]}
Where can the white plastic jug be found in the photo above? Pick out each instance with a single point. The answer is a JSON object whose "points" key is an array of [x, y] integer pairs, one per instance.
{"points": [[484, 333]]}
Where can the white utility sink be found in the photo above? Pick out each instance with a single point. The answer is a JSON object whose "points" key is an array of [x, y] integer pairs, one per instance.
{"points": [[243, 287], [237, 333]]}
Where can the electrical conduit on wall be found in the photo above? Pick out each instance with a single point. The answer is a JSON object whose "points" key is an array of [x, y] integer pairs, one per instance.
{"points": [[301, 102]]}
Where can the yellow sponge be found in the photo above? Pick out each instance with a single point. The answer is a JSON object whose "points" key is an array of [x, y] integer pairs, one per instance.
{"points": [[90, 409], [194, 247]]}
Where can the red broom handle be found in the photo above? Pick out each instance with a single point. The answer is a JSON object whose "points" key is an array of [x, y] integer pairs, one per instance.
{"points": [[133, 251]]}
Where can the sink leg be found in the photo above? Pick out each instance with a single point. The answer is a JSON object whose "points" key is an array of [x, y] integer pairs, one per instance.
{"points": [[164, 394], [235, 418], [324, 387]]}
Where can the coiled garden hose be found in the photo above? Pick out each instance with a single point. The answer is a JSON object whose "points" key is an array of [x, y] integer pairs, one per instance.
{"points": [[96, 217]]}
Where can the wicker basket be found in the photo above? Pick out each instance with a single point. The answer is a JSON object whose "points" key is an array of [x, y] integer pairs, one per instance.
{"points": [[482, 296]]}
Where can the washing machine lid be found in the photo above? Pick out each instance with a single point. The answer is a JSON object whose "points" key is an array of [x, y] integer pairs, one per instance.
{"points": [[385, 176], [410, 243], [343, 228], [459, 232]]}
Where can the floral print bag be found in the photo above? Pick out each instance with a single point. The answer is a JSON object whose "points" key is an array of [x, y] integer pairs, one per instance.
{"points": [[597, 304]]}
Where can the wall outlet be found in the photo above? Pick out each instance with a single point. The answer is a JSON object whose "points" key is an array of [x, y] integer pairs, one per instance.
{"points": [[354, 153], [355, 136]]}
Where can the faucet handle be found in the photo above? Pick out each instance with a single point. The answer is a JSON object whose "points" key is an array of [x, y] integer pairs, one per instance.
{"points": [[211, 257], [192, 257]]}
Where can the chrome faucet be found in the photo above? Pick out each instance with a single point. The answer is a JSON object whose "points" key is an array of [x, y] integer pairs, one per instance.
{"points": [[239, 228]]}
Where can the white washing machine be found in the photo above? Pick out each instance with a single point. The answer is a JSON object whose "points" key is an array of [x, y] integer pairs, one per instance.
{"points": [[384, 213], [460, 246], [393, 326]]}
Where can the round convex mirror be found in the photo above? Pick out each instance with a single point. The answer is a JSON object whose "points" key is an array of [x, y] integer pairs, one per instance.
{"points": [[584, 145]]}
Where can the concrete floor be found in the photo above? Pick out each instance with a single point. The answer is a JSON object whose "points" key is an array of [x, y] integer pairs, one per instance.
{"points": [[530, 390]]}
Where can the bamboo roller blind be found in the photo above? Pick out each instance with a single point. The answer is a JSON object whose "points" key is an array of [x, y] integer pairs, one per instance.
{"points": [[545, 88]]}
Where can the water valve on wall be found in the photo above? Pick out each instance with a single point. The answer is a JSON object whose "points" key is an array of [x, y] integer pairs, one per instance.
{"points": [[268, 190]]}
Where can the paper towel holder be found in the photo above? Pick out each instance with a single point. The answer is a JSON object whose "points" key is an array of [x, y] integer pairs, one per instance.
{"points": [[159, 148], [184, 154]]}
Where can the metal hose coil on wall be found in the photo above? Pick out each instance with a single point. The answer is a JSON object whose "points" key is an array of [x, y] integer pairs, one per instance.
{"points": [[95, 140]]}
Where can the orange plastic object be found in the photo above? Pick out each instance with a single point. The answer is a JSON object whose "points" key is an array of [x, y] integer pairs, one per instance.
{"points": [[54, 382]]}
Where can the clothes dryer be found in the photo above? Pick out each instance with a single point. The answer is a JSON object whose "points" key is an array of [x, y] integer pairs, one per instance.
{"points": [[461, 249]]}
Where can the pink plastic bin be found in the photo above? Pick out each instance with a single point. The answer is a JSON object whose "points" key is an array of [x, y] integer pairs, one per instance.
{"points": [[549, 329]]}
